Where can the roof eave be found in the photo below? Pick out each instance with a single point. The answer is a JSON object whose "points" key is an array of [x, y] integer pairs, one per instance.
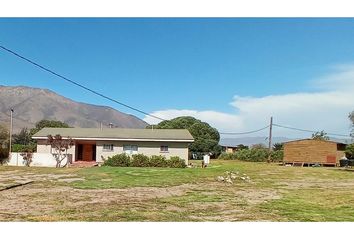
{"points": [[122, 139]]}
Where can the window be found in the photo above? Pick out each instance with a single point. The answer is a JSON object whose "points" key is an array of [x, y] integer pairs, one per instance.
{"points": [[130, 149], [163, 148], [107, 147]]}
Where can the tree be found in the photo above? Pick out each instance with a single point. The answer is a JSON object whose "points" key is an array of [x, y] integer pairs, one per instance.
{"points": [[206, 138], [4, 144], [241, 146], [351, 118], [60, 146], [278, 146], [258, 146], [4, 137], [24, 137], [320, 136], [349, 151], [49, 124]]}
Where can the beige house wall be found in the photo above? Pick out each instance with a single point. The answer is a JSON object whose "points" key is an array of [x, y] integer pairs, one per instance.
{"points": [[179, 149], [43, 148], [146, 148]]}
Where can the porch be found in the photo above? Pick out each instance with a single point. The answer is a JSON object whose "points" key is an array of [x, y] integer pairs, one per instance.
{"points": [[85, 151]]}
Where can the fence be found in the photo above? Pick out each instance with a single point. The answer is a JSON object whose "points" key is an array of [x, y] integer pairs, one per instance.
{"points": [[38, 160]]}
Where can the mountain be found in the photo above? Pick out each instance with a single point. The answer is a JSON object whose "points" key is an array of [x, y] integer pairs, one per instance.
{"points": [[248, 141], [34, 104]]}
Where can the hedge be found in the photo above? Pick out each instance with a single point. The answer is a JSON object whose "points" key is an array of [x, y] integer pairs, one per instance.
{"points": [[23, 148], [253, 155], [141, 160]]}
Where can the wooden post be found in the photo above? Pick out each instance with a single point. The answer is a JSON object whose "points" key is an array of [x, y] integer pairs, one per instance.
{"points": [[270, 139], [11, 112]]}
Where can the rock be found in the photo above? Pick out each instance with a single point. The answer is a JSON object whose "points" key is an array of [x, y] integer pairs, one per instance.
{"points": [[229, 181], [220, 178]]}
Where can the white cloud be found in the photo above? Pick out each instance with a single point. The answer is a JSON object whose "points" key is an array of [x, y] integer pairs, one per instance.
{"points": [[327, 109]]}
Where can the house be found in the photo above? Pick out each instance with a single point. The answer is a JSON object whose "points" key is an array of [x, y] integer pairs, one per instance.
{"points": [[311, 151], [95, 145], [228, 149]]}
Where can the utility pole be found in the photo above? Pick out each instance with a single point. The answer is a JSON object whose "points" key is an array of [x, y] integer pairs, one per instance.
{"points": [[270, 138], [11, 112]]}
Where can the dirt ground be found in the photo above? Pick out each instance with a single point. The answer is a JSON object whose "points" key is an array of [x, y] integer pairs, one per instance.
{"points": [[55, 201]]}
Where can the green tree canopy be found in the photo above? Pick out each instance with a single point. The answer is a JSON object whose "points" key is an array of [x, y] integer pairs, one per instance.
{"points": [[351, 118], [320, 136], [278, 146], [49, 124], [23, 137], [206, 138]]}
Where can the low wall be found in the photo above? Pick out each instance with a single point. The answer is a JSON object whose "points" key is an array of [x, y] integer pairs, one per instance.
{"points": [[38, 160]]}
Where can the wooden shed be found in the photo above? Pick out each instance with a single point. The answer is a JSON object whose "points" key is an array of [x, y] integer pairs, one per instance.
{"points": [[310, 151]]}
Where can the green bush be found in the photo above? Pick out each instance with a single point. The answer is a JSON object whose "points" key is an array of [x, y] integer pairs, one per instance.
{"points": [[119, 160], [140, 160], [349, 151], [252, 155], [176, 162], [277, 156], [158, 161], [23, 148], [4, 154], [227, 156]]}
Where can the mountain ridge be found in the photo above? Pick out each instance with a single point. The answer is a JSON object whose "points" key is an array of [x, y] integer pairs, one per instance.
{"points": [[34, 104]]}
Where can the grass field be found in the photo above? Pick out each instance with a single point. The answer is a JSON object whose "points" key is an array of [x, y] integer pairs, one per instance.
{"points": [[274, 193]]}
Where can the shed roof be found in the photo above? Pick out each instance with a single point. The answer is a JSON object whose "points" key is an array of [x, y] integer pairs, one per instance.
{"points": [[307, 139], [177, 135]]}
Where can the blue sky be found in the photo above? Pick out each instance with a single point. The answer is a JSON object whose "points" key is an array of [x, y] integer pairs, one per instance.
{"points": [[199, 65]]}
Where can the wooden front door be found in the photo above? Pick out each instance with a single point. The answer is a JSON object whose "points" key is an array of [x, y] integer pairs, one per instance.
{"points": [[87, 152]]}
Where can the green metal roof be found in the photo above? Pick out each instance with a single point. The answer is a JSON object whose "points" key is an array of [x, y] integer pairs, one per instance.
{"points": [[117, 133]]}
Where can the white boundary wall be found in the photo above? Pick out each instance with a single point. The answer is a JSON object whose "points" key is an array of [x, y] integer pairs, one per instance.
{"points": [[38, 160]]}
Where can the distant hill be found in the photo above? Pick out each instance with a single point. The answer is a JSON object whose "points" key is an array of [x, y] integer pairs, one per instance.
{"points": [[34, 104], [248, 141]]}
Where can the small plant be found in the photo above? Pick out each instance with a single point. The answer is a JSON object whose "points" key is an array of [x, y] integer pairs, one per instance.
{"points": [[27, 156], [140, 160], [60, 145], [119, 160]]}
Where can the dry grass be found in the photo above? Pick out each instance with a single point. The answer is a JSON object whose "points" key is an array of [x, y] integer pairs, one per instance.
{"points": [[275, 193]]}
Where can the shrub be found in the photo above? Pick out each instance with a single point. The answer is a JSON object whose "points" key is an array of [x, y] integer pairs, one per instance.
{"points": [[4, 154], [119, 160], [140, 160], [227, 156], [176, 162], [277, 156], [349, 151], [158, 161], [23, 148]]}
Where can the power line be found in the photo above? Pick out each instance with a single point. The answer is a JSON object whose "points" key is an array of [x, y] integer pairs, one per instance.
{"points": [[240, 133], [78, 84], [310, 131]]}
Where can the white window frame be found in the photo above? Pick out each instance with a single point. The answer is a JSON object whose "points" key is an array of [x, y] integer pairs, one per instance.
{"points": [[130, 149], [110, 149], [164, 146]]}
